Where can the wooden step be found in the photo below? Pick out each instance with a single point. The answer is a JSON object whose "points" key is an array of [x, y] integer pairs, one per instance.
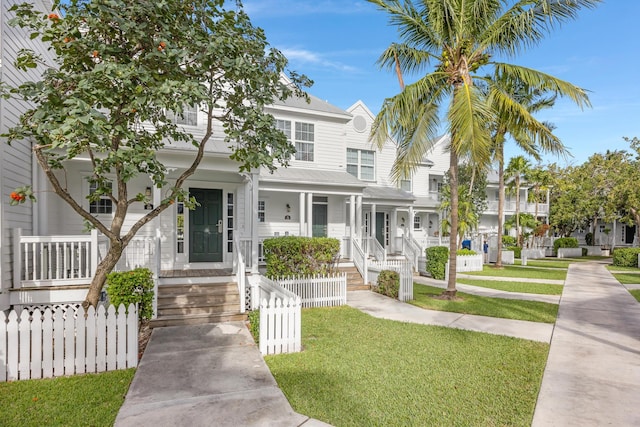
{"points": [[192, 303], [196, 319]]}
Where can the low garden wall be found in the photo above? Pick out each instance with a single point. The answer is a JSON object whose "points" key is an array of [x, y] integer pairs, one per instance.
{"points": [[532, 253], [569, 252], [593, 250], [508, 257]]}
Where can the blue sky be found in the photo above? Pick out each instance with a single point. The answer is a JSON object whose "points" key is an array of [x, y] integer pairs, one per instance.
{"points": [[337, 42]]}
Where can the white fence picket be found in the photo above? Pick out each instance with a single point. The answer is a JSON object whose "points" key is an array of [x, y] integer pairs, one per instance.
{"points": [[55, 343], [318, 291]]}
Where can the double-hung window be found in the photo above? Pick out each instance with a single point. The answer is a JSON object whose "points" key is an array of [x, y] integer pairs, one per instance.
{"points": [[103, 205], [261, 211], [405, 184], [188, 116], [303, 138], [361, 164]]}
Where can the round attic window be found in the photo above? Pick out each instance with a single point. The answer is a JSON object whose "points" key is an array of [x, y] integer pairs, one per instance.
{"points": [[359, 123]]}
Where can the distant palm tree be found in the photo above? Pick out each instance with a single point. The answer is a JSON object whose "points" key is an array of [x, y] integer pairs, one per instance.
{"points": [[459, 38], [514, 109], [516, 171]]}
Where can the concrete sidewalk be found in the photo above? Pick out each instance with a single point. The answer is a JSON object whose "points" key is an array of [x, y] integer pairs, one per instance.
{"points": [[386, 308], [206, 375], [592, 377]]}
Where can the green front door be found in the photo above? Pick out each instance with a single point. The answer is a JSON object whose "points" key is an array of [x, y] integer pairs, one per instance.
{"points": [[319, 220], [205, 226], [380, 228]]}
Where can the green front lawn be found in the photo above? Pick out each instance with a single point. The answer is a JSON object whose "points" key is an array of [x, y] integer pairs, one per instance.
{"points": [[522, 272], [626, 269], [627, 278], [544, 263], [635, 293], [526, 287], [80, 400], [484, 306], [357, 370]]}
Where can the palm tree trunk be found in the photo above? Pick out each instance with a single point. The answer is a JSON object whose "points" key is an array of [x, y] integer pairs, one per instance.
{"points": [[500, 204], [451, 290]]}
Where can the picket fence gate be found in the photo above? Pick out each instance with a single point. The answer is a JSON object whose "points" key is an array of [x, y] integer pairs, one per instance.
{"points": [[317, 291], [280, 325], [53, 343]]}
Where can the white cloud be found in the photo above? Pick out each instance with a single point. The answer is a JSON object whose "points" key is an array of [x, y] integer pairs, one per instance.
{"points": [[306, 57]]}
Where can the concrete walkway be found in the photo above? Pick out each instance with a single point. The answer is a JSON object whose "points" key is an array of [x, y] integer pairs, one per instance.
{"points": [[206, 375], [386, 308], [592, 377]]}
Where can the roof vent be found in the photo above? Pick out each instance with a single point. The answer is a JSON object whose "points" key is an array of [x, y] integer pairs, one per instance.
{"points": [[359, 123]]}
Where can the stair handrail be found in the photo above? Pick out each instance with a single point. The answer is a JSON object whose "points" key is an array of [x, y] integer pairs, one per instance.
{"points": [[411, 250], [379, 253], [359, 258], [240, 271]]}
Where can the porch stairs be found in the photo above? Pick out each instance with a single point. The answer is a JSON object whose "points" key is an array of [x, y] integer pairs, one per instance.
{"points": [[355, 282], [197, 300]]}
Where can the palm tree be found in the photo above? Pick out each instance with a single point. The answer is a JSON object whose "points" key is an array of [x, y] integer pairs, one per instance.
{"points": [[517, 169], [539, 178], [529, 134], [459, 39]]}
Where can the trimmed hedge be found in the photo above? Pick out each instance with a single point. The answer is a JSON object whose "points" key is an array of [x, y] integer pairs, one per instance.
{"points": [[388, 283], [466, 252], [135, 286], [437, 257], [300, 256], [626, 257], [508, 240], [564, 242], [517, 251]]}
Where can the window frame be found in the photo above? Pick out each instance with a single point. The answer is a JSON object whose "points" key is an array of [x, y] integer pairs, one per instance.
{"points": [[182, 119], [100, 207], [261, 210], [359, 165]]}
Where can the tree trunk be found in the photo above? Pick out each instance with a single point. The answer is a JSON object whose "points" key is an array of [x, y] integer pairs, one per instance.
{"points": [[500, 204], [518, 242], [100, 277], [453, 236]]}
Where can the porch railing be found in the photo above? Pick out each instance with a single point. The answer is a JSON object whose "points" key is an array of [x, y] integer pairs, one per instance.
{"points": [[378, 252], [359, 258], [240, 271], [73, 259], [411, 249], [43, 260]]}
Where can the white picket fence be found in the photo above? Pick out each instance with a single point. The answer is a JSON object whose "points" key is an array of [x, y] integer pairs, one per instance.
{"points": [[280, 317], [318, 291], [53, 343], [404, 267], [469, 263]]}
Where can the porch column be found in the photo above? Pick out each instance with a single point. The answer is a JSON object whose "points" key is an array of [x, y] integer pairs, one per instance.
{"points": [[156, 197], [393, 230], [309, 214], [302, 214], [254, 186], [439, 229], [358, 216], [352, 223], [372, 221], [613, 230], [411, 220]]}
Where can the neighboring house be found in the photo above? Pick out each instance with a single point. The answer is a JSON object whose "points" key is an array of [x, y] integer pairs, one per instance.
{"points": [[17, 167]]}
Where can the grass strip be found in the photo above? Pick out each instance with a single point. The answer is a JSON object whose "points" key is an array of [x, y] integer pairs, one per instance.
{"points": [[526, 287], [533, 311], [357, 370], [522, 272], [625, 269], [552, 263], [80, 400], [635, 293], [627, 278]]}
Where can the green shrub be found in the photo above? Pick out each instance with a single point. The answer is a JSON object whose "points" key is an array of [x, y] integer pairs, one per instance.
{"points": [[254, 324], [135, 286], [466, 252], [564, 242], [300, 256], [517, 251], [588, 238], [388, 283], [585, 251], [437, 257], [626, 257], [508, 241]]}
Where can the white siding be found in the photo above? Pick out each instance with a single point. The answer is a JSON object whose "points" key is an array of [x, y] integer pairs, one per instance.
{"points": [[15, 163]]}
